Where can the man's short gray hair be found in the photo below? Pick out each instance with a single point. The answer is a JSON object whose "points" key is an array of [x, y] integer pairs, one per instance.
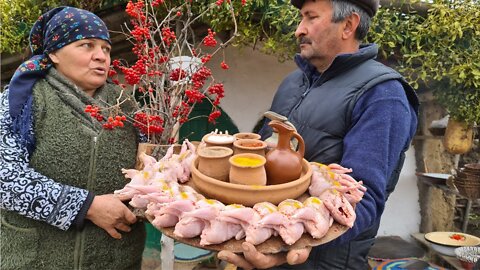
{"points": [[342, 9]]}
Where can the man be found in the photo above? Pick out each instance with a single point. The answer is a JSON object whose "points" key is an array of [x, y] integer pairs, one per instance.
{"points": [[349, 109]]}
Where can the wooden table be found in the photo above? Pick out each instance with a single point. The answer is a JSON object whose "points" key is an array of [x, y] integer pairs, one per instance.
{"points": [[451, 261]]}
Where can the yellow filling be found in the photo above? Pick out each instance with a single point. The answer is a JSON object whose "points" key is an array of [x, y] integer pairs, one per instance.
{"points": [[247, 162]]}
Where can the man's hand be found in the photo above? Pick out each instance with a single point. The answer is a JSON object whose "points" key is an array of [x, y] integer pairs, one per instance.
{"points": [[110, 214], [252, 259]]}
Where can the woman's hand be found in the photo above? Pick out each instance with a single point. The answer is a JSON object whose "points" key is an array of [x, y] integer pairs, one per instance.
{"points": [[111, 214], [253, 259]]}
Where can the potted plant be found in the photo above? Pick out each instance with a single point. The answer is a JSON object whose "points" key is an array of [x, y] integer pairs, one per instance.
{"points": [[171, 71]]}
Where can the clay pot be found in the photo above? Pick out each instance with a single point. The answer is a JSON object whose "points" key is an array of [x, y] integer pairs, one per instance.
{"points": [[458, 137], [248, 169], [247, 135], [213, 162], [224, 140], [249, 146], [283, 164]]}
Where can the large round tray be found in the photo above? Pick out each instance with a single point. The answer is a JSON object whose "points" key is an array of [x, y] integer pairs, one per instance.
{"points": [[249, 195], [274, 244]]}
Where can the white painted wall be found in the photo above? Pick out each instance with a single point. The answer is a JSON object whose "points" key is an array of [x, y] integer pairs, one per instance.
{"points": [[250, 84], [402, 211]]}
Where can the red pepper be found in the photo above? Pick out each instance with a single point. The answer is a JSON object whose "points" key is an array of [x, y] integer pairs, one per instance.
{"points": [[457, 237]]}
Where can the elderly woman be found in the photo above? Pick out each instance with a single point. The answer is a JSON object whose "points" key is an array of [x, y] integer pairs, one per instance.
{"points": [[58, 167]]}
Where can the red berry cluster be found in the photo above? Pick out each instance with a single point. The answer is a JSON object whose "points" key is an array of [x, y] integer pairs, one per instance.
{"points": [[210, 40], [112, 72], [220, 2], [156, 3], [162, 59], [140, 33], [178, 74], [168, 36], [214, 115], [194, 96], [136, 10], [131, 75], [116, 63], [94, 112], [224, 65], [219, 90], [206, 58], [148, 124], [199, 77], [182, 112], [112, 122]]}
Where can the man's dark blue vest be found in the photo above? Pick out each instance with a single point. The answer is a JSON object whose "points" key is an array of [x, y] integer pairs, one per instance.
{"points": [[321, 108]]}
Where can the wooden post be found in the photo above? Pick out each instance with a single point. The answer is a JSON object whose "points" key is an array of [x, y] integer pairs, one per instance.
{"points": [[167, 255]]}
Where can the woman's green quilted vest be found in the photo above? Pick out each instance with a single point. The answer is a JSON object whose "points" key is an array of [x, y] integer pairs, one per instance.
{"points": [[75, 154]]}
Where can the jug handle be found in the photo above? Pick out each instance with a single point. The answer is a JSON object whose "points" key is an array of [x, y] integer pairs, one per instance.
{"points": [[301, 144]]}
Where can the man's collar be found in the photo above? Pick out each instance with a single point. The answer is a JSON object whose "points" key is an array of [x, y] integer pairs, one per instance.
{"points": [[366, 51]]}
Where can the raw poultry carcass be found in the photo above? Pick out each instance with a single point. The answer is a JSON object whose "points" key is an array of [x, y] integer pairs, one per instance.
{"points": [[351, 189], [171, 168], [238, 214], [340, 209], [131, 189], [254, 232], [164, 194], [168, 214], [176, 167], [154, 181], [287, 227], [193, 223], [335, 177], [337, 168], [143, 177], [315, 217], [322, 179], [187, 157], [249, 219], [224, 227], [141, 201]]}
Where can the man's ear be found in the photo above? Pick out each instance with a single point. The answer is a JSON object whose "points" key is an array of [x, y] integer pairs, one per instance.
{"points": [[351, 25], [53, 57]]}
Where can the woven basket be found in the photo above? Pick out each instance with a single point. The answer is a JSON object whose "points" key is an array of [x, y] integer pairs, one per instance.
{"points": [[471, 192]]}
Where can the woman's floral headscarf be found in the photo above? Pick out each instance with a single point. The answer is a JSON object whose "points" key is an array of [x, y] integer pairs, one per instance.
{"points": [[52, 31]]}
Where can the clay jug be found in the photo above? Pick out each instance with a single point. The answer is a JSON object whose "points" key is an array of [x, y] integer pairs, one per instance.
{"points": [[284, 164]]}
